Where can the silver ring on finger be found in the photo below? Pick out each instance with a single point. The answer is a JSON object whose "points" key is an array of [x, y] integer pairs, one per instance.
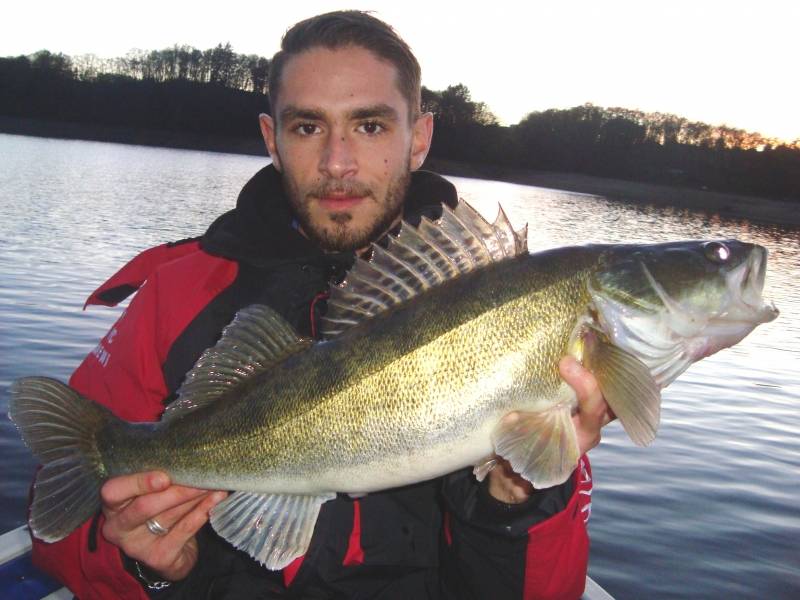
{"points": [[156, 528]]}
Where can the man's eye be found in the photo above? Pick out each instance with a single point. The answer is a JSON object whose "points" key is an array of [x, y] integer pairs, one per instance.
{"points": [[371, 127], [306, 129]]}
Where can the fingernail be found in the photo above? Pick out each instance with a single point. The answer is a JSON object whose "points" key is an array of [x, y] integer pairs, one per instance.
{"points": [[159, 481]]}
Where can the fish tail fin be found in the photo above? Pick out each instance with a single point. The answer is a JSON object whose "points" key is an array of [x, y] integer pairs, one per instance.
{"points": [[59, 426]]}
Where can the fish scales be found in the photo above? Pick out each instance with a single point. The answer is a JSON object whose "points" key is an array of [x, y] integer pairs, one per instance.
{"points": [[413, 380]]}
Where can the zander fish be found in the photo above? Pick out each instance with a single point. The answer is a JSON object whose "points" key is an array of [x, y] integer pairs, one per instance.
{"points": [[429, 344]]}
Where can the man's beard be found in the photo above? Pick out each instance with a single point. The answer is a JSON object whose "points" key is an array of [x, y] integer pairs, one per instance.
{"points": [[334, 234]]}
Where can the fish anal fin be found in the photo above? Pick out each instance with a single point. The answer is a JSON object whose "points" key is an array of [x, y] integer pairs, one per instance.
{"points": [[272, 528], [627, 385], [541, 446]]}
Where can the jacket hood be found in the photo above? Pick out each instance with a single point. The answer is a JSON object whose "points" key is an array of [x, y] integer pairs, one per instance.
{"points": [[259, 230]]}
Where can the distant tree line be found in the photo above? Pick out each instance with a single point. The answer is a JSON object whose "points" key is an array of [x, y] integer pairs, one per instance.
{"points": [[219, 65], [630, 144], [218, 91], [179, 89]]}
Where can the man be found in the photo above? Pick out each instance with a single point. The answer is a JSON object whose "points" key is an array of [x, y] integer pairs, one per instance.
{"points": [[345, 135]]}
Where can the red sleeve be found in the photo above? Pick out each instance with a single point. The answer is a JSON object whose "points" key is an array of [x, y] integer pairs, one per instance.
{"points": [[131, 276], [557, 552], [537, 550], [123, 373]]}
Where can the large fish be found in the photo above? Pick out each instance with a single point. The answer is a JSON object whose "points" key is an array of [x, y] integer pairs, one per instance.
{"points": [[430, 345]]}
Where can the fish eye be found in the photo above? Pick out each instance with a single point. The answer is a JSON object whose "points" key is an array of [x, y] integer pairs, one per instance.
{"points": [[716, 252]]}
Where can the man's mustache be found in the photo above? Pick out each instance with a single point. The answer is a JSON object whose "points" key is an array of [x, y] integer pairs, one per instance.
{"points": [[340, 188]]}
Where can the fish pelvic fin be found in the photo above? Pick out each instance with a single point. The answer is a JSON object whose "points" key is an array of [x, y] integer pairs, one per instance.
{"points": [[272, 528], [256, 339], [540, 446], [59, 426], [627, 385], [484, 467], [417, 259]]}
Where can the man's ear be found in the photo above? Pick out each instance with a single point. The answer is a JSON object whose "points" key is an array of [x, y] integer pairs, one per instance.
{"points": [[268, 133], [421, 140]]}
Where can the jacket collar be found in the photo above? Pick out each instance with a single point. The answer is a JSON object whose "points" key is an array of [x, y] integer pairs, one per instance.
{"points": [[259, 230]]}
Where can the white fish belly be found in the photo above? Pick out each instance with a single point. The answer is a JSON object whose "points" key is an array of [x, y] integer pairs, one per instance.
{"points": [[383, 473], [426, 463]]}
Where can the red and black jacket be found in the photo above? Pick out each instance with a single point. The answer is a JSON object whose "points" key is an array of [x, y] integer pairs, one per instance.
{"points": [[445, 538]]}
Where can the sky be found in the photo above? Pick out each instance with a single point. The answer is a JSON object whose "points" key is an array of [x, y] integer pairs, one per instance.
{"points": [[728, 62]]}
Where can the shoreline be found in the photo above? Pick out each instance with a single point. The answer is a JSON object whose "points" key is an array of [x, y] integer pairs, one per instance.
{"points": [[723, 204], [159, 138], [727, 205]]}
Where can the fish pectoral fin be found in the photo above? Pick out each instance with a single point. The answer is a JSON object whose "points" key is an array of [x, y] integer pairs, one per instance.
{"points": [[628, 387], [272, 528], [540, 446]]}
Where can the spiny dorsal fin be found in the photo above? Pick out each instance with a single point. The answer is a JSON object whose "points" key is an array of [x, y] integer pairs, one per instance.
{"points": [[255, 340], [419, 258]]}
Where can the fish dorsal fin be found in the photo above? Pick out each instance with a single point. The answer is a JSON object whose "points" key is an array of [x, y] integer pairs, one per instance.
{"points": [[417, 259], [255, 340]]}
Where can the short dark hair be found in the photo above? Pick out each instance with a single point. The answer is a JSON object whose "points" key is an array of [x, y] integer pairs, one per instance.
{"points": [[339, 29]]}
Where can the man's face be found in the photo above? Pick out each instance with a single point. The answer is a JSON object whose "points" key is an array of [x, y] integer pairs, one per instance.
{"points": [[343, 140]]}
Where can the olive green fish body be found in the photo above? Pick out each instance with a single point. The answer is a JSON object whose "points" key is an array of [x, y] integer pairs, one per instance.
{"points": [[440, 352], [387, 395]]}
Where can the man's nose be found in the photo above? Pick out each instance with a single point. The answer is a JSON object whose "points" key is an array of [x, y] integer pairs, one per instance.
{"points": [[338, 157]]}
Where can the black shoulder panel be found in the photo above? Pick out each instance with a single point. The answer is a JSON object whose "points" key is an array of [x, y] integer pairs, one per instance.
{"points": [[287, 287]]}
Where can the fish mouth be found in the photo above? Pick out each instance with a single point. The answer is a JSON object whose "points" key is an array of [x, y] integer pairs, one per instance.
{"points": [[748, 278], [746, 310]]}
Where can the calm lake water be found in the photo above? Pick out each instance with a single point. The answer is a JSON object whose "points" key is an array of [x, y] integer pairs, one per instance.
{"points": [[711, 510]]}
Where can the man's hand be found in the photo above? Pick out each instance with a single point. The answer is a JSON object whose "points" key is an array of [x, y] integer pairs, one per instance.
{"points": [[593, 410], [130, 500], [593, 414]]}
